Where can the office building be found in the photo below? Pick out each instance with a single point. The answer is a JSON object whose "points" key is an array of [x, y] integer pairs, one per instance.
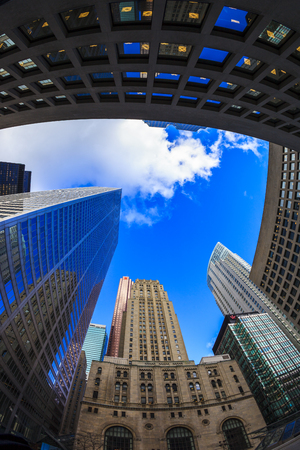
{"points": [[55, 250], [95, 344], [228, 278], [123, 294], [72, 409], [232, 66], [14, 179], [151, 392], [275, 266], [178, 126], [268, 360]]}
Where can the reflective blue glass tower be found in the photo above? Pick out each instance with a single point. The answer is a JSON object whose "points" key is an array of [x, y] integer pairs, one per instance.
{"points": [[55, 250], [95, 344]]}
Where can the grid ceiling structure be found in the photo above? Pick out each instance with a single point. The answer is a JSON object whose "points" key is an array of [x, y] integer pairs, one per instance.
{"points": [[218, 63]]}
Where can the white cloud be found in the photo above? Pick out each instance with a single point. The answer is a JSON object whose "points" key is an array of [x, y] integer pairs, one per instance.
{"points": [[210, 344], [117, 153]]}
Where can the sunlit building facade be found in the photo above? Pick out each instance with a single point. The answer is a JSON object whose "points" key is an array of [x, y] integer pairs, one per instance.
{"points": [[123, 294], [152, 393], [95, 344], [55, 250], [268, 360], [228, 278]]}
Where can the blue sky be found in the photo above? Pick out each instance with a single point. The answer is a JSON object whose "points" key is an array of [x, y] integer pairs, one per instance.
{"points": [[182, 193]]}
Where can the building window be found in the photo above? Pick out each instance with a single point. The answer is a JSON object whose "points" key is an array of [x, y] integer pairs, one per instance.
{"points": [[143, 400], [144, 415], [223, 408], [118, 437], [97, 382], [115, 413], [180, 437], [206, 412], [117, 387], [235, 378], [95, 394], [90, 409], [241, 389], [188, 374], [152, 416], [199, 412], [96, 410], [123, 414], [117, 398], [125, 374], [118, 373], [219, 383], [99, 370], [213, 383], [235, 435]]}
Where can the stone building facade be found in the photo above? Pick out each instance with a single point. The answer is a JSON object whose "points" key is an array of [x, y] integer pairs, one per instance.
{"points": [[152, 397], [149, 405]]}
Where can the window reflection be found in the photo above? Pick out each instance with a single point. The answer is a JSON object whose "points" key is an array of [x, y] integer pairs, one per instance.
{"points": [[179, 51], [4, 73], [167, 76], [6, 43], [185, 12], [57, 58], [134, 75], [228, 86], [277, 75], [235, 19], [93, 52], [248, 64], [275, 34], [213, 55], [133, 48], [198, 80], [80, 19], [36, 30], [132, 12], [27, 65]]}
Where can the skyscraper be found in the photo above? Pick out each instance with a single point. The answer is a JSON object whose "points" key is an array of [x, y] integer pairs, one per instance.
{"points": [[234, 292], [123, 294], [151, 392], [275, 266], [140, 327], [55, 250], [268, 360], [94, 344], [14, 179]]}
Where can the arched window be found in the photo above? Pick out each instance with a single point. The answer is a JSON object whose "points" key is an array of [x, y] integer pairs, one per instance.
{"points": [[165, 376], [118, 437], [219, 383], [231, 369], [209, 373], [117, 386], [124, 386], [125, 374], [235, 378], [149, 387], [172, 375], [149, 376], [143, 387], [99, 369], [194, 375], [142, 375], [191, 386], [168, 389], [180, 438], [215, 372], [118, 373], [97, 382], [174, 387], [188, 374], [213, 383], [198, 388], [235, 435]]}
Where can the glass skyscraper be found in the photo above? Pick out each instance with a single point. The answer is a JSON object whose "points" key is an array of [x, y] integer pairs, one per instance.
{"points": [[268, 360], [234, 292], [178, 126], [55, 250], [14, 179], [95, 344]]}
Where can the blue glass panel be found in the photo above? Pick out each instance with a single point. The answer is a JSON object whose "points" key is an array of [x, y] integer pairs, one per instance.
{"points": [[247, 63], [211, 54], [233, 19], [213, 101], [9, 292], [134, 48], [199, 80], [100, 75], [108, 93], [134, 74], [162, 95], [188, 98], [1, 305], [288, 431], [84, 94], [167, 76], [72, 78], [135, 93], [226, 85]]}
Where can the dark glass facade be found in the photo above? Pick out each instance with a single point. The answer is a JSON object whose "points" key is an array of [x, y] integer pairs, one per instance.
{"points": [[14, 179], [268, 360], [55, 250]]}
